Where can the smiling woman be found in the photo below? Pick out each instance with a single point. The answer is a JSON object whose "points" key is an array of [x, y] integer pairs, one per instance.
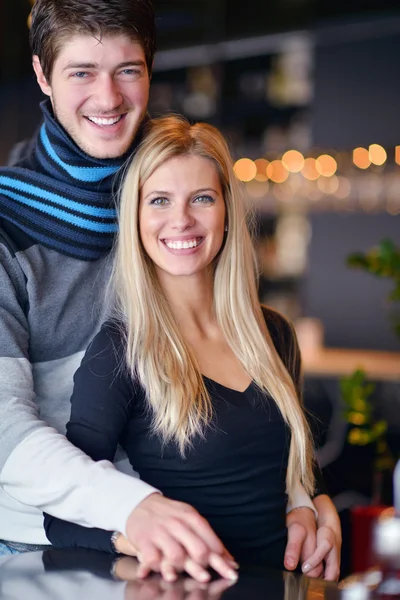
{"points": [[197, 382], [182, 226]]}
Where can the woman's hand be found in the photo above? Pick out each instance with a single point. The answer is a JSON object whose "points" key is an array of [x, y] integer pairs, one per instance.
{"points": [[316, 544], [123, 546], [329, 539], [302, 540]]}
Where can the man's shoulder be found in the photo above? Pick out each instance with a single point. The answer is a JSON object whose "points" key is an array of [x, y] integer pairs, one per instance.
{"points": [[13, 239]]}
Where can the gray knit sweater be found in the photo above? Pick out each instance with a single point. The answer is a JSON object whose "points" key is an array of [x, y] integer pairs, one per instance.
{"points": [[50, 309]]}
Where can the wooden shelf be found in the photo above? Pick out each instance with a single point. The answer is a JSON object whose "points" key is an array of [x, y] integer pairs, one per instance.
{"points": [[338, 362]]}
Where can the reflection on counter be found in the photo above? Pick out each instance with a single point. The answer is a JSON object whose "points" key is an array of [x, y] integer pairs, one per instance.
{"points": [[79, 573]]}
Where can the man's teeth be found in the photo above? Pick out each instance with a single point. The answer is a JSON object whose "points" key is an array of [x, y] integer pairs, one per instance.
{"points": [[103, 121], [182, 245]]}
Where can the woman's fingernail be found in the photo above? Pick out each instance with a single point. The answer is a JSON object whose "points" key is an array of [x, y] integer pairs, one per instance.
{"points": [[306, 567], [232, 575], [290, 564], [234, 564], [204, 576]]}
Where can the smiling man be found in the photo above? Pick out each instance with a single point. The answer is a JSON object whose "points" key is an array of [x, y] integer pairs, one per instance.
{"points": [[93, 59], [99, 100]]}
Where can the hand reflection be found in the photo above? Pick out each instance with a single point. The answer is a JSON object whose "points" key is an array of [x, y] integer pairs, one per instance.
{"points": [[155, 588]]}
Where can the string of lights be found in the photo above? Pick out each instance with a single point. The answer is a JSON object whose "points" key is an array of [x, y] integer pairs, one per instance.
{"points": [[365, 178]]}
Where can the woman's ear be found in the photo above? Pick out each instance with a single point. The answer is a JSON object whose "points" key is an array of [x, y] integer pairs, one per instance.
{"points": [[41, 79]]}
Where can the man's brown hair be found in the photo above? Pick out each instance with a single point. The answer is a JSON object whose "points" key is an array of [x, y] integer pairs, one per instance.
{"points": [[53, 22]]}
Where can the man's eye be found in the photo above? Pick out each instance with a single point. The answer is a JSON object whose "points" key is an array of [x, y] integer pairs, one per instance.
{"points": [[204, 200], [131, 72], [79, 74], [159, 201]]}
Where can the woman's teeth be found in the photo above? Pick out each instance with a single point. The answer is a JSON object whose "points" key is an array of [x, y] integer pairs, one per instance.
{"points": [[182, 245]]}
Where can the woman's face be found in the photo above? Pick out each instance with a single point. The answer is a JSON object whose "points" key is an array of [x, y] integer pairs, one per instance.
{"points": [[182, 216]]}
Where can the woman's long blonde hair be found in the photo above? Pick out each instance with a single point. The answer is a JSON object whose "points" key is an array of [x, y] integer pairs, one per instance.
{"points": [[156, 352]]}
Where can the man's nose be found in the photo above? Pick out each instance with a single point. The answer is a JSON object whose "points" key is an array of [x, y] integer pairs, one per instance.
{"points": [[108, 94]]}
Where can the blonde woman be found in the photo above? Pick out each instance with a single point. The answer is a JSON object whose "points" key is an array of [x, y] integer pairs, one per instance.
{"points": [[198, 383]]}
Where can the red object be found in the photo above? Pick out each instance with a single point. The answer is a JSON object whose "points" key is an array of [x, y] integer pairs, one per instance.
{"points": [[362, 521]]}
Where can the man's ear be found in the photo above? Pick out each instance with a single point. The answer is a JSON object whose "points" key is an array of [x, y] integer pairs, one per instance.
{"points": [[41, 79]]}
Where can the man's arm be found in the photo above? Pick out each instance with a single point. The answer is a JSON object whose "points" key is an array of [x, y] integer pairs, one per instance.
{"points": [[38, 466]]}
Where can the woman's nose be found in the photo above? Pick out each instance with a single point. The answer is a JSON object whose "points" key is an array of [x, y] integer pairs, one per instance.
{"points": [[182, 218]]}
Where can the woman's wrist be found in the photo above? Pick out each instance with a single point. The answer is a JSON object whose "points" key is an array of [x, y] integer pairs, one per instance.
{"points": [[115, 537], [327, 514]]}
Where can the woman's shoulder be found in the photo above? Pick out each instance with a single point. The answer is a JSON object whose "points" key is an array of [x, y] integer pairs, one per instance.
{"points": [[284, 338], [280, 328], [107, 346]]}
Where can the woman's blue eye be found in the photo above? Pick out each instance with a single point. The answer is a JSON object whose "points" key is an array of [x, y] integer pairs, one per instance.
{"points": [[204, 199], [159, 201]]}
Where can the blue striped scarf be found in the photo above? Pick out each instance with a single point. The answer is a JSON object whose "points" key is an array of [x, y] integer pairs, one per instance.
{"points": [[60, 196]]}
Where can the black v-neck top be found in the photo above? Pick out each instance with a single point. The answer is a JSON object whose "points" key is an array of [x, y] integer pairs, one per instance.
{"points": [[235, 477]]}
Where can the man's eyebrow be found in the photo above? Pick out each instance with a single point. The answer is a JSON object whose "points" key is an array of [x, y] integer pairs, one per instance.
{"points": [[80, 65]]}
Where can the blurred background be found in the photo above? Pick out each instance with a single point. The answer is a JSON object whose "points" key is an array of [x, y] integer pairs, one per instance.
{"points": [[306, 92]]}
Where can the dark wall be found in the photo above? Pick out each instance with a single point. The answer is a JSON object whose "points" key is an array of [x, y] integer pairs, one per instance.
{"points": [[352, 304], [357, 88]]}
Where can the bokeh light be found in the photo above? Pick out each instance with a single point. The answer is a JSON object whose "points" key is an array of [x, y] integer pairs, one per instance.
{"points": [[293, 160], [257, 189], [261, 164], [245, 169], [377, 154], [326, 165], [328, 185], [361, 158], [277, 172], [344, 188], [309, 170]]}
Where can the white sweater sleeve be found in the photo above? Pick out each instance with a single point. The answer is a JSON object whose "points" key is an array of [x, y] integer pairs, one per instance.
{"points": [[61, 480], [39, 467]]}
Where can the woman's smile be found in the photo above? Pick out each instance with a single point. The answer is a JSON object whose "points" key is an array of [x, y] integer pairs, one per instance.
{"points": [[182, 216]]}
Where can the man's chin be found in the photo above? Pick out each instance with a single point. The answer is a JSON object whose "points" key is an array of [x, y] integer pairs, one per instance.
{"points": [[104, 151]]}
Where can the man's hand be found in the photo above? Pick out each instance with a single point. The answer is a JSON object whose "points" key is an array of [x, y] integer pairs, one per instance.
{"points": [[169, 537], [302, 540]]}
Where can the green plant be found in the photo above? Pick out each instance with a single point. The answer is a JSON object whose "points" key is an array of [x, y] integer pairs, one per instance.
{"points": [[382, 261], [365, 429]]}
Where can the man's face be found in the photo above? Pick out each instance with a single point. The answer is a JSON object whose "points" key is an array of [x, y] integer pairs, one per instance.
{"points": [[99, 91]]}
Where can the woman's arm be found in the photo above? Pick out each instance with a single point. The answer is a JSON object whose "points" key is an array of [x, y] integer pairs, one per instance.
{"points": [[305, 543], [99, 412]]}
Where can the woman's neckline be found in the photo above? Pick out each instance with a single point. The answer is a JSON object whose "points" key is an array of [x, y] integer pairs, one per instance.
{"points": [[226, 387]]}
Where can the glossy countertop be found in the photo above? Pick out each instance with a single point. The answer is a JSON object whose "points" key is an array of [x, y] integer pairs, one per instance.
{"points": [[84, 574]]}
